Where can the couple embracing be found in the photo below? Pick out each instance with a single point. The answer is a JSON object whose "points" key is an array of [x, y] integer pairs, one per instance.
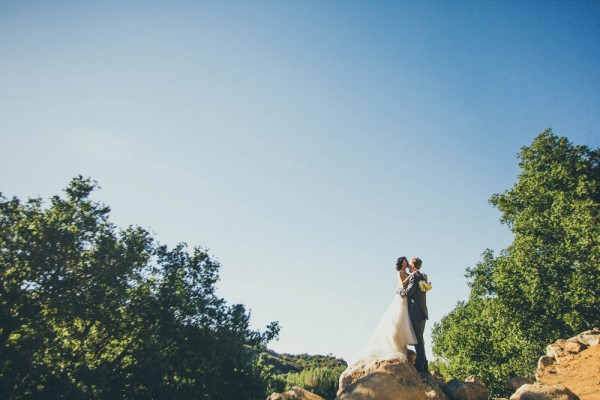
{"points": [[404, 321]]}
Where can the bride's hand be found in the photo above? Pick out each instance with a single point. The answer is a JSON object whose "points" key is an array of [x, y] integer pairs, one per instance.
{"points": [[425, 277]]}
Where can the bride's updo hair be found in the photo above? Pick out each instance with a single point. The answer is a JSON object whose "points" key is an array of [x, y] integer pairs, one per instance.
{"points": [[400, 262]]}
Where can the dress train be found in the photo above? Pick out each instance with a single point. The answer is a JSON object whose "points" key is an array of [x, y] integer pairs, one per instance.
{"points": [[393, 333]]}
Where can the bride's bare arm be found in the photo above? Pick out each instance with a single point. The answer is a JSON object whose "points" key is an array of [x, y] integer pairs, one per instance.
{"points": [[403, 278]]}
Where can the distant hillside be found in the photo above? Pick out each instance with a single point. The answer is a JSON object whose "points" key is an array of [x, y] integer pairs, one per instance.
{"points": [[316, 373], [284, 363]]}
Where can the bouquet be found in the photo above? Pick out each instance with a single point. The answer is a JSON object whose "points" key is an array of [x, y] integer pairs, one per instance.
{"points": [[424, 286]]}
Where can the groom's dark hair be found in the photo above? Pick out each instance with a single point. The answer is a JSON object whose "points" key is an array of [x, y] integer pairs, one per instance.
{"points": [[417, 262]]}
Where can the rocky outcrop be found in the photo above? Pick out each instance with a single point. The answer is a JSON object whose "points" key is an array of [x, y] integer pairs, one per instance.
{"points": [[516, 382], [563, 351], [573, 363], [438, 377], [471, 389], [296, 393], [433, 386], [538, 391], [396, 378], [588, 338], [546, 366], [381, 379], [564, 348]]}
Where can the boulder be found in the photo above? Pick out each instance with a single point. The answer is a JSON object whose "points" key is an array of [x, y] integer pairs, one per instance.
{"points": [[381, 379], [538, 391], [438, 377], [588, 338], [546, 361], [471, 389], [517, 381], [546, 366], [296, 393], [433, 388], [563, 348]]}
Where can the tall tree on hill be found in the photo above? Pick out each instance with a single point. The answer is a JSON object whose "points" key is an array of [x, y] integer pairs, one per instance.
{"points": [[91, 311], [546, 284]]}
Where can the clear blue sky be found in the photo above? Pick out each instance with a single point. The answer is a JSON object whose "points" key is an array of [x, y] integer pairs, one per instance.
{"points": [[307, 144]]}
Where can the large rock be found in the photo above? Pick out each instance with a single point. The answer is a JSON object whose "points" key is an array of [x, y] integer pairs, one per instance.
{"points": [[538, 391], [546, 366], [381, 379], [563, 351], [471, 389], [588, 338], [296, 393], [518, 381], [562, 348], [433, 388], [438, 377]]}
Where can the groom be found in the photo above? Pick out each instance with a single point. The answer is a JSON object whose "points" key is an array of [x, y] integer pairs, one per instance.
{"points": [[417, 309]]}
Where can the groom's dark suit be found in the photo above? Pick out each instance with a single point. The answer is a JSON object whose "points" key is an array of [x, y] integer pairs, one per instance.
{"points": [[417, 309]]}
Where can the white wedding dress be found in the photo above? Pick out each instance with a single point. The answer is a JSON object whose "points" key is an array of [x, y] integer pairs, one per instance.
{"points": [[393, 333]]}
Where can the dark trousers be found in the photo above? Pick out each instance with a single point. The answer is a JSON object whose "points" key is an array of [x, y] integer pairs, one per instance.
{"points": [[421, 363]]}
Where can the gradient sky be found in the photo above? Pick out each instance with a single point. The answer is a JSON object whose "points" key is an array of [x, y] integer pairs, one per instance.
{"points": [[307, 144]]}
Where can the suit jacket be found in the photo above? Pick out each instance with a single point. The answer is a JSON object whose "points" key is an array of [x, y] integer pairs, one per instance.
{"points": [[417, 299]]}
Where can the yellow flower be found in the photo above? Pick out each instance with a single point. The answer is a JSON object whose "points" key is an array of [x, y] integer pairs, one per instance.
{"points": [[425, 286]]}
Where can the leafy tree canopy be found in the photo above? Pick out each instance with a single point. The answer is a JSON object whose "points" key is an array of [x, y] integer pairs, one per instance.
{"points": [[88, 310], [546, 284]]}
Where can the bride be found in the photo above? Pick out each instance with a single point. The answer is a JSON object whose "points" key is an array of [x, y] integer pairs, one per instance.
{"points": [[395, 330]]}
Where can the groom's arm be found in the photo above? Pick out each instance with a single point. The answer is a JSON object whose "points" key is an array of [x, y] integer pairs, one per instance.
{"points": [[410, 289]]}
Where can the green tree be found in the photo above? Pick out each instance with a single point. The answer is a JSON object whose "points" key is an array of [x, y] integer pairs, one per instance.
{"points": [[546, 284], [88, 310], [316, 373]]}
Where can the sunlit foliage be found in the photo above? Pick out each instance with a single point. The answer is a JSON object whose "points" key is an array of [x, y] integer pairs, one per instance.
{"points": [[546, 284], [88, 310]]}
